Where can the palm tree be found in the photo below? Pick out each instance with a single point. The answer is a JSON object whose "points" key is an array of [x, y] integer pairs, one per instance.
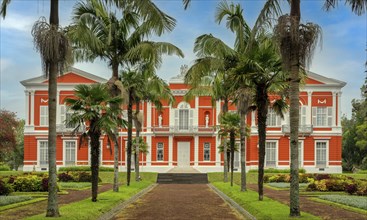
{"points": [[97, 32], [94, 106], [230, 126], [50, 41]]}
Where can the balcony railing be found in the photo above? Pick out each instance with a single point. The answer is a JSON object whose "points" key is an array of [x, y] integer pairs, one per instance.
{"points": [[62, 128], [302, 129], [184, 130]]}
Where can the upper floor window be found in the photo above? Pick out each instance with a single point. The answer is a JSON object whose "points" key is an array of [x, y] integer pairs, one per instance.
{"points": [[322, 116], [183, 116], [302, 115], [65, 115], [272, 118], [44, 115]]}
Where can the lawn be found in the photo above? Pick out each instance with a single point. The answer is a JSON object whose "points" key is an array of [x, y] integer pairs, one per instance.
{"points": [[106, 200], [266, 209]]}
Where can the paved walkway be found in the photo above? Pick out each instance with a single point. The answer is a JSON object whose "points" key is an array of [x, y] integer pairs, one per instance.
{"points": [[179, 201], [183, 170]]}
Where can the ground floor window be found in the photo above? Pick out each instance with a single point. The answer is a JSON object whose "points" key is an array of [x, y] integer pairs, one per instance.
{"points": [[300, 154], [160, 151], [270, 154], [43, 152], [206, 151], [321, 153], [70, 153]]}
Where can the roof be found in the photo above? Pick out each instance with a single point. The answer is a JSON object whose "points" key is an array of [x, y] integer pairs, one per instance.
{"points": [[325, 80]]}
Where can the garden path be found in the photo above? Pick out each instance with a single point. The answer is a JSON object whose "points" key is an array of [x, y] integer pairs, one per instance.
{"points": [[40, 207], [322, 210], [179, 201]]}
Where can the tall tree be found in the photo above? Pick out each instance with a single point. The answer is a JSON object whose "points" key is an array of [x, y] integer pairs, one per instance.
{"points": [[98, 33], [8, 138], [93, 106], [51, 42]]}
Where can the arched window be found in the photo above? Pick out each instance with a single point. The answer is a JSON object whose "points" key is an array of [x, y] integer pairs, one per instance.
{"points": [[183, 116]]}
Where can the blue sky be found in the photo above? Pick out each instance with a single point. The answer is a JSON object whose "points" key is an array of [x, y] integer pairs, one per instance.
{"points": [[342, 55]]}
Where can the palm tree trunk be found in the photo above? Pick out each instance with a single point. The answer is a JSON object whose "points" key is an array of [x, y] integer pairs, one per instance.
{"points": [[52, 205], [129, 136], [294, 107], [115, 92], [224, 142], [94, 142], [232, 139], [137, 138], [262, 111], [243, 150]]}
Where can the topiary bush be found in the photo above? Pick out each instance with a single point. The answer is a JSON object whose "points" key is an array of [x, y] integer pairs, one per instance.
{"points": [[5, 188], [28, 183], [65, 177], [351, 188], [85, 169]]}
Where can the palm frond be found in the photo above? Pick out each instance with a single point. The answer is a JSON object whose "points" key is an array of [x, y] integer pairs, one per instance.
{"points": [[4, 6]]}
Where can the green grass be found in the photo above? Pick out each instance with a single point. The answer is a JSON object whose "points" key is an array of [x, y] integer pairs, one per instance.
{"points": [[266, 209], [7, 200], [346, 207], [106, 201], [354, 201], [37, 194], [15, 205], [285, 186], [10, 173]]}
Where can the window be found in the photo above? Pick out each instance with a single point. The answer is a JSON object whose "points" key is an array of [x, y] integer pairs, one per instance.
{"points": [[206, 151], [322, 116], [183, 116], [43, 153], [65, 115], [160, 152], [44, 115], [300, 154], [272, 118], [321, 154], [302, 115], [70, 153], [270, 154]]}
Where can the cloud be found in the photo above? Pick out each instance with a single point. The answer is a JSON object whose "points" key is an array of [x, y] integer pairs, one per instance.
{"points": [[18, 22]]}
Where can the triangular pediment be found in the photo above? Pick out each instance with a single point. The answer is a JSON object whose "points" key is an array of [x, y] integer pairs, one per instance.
{"points": [[316, 79], [71, 76]]}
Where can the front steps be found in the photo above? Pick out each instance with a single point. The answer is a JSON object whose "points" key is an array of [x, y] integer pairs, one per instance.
{"points": [[182, 178]]}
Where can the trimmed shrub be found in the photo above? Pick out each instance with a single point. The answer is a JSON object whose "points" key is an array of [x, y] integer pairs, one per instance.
{"points": [[85, 169], [44, 184], [321, 176], [273, 170], [361, 188], [28, 183], [4, 167], [11, 179], [5, 188], [65, 177], [351, 188], [84, 177]]}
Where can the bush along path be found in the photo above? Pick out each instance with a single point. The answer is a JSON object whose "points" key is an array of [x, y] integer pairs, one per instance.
{"points": [[322, 210], [40, 207]]}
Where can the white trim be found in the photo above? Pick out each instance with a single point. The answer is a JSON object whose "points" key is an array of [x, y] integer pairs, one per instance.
{"points": [[170, 150], [276, 153], [38, 153], [64, 151], [327, 152], [32, 107]]}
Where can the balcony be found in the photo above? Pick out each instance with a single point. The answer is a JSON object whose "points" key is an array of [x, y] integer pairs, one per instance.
{"points": [[63, 129], [188, 130], [302, 129]]}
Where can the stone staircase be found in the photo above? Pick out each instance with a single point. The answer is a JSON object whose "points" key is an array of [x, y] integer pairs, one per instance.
{"points": [[182, 178]]}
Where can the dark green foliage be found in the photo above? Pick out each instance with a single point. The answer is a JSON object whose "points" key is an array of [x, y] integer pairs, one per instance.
{"points": [[85, 168], [65, 177], [272, 170], [4, 167], [5, 188], [30, 183]]}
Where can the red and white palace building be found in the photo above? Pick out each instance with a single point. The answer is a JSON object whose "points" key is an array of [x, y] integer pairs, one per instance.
{"points": [[183, 134]]}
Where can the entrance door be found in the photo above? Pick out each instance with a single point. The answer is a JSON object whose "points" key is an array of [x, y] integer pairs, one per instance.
{"points": [[183, 154]]}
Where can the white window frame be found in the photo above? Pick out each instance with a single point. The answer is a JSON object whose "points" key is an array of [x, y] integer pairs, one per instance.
{"points": [[184, 116], [327, 119], [43, 115], [276, 154], [160, 146], [273, 120], [206, 146], [303, 115], [326, 153], [301, 156], [39, 143], [65, 153], [65, 113]]}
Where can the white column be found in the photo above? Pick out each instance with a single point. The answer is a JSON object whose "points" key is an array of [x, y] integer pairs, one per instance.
{"points": [[149, 155], [58, 107], [196, 115], [26, 107], [196, 150], [217, 155], [253, 119], [32, 108], [309, 108], [170, 150], [334, 109], [339, 108], [148, 117], [218, 111]]}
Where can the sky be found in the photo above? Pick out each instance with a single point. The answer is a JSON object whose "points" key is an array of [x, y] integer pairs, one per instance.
{"points": [[341, 54]]}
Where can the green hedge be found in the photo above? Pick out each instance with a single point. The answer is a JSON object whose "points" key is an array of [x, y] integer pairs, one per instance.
{"points": [[85, 168], [4, 167], [272, 170]]}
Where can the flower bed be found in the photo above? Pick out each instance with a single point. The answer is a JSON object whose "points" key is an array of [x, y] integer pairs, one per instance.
{"points": [[7, 200], [354, 201]]}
